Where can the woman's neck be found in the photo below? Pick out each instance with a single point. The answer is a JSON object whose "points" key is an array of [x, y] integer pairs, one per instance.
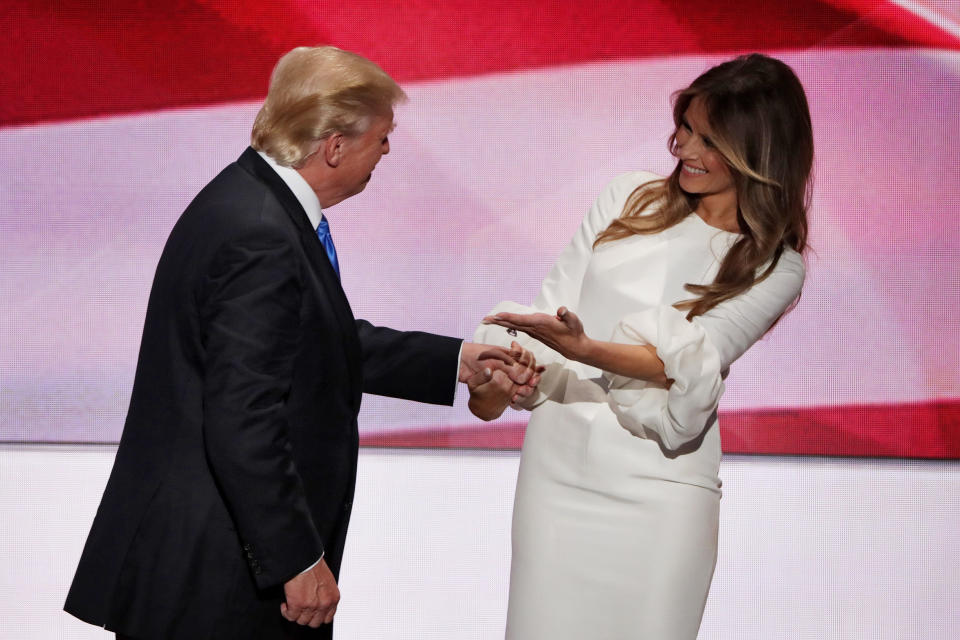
{"points": [[720, 211]]}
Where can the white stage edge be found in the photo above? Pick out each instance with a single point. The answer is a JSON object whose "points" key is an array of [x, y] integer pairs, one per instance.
{"points": [[810, 547]]}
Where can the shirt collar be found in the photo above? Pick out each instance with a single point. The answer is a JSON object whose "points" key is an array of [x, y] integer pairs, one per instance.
{"points": [[301, 189]]}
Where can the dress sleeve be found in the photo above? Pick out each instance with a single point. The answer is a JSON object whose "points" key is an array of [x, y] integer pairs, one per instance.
{"points": [[696, 355], [562, 285]]}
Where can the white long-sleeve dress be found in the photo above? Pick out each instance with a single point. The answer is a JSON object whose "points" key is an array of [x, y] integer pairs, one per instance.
{"points": [[617, 503]]}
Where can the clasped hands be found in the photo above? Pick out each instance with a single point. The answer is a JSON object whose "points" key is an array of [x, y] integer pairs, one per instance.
{"points": [[503, 376], [497, 376]]}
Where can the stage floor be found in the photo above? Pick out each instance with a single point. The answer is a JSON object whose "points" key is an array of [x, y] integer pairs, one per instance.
{"points": [[810, 547]]}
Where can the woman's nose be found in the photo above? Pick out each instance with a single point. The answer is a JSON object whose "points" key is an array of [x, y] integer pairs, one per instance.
{"points": [[686, 149]]}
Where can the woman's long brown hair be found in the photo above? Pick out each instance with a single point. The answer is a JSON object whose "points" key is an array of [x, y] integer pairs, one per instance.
{"points": [[758, 112]]}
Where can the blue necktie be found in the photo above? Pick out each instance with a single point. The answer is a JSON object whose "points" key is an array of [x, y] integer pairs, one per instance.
{"points": [[323, 232]]}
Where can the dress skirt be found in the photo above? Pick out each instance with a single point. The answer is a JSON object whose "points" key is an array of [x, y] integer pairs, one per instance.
{"points": [[603, 549]]}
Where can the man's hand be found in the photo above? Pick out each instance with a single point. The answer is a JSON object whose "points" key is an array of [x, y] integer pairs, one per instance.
{"points": [[490, 393], [517, 363], [312, 597]]}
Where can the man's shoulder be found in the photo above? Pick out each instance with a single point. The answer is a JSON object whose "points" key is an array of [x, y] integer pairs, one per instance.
{"points": [[233, 186], [239, 200]]}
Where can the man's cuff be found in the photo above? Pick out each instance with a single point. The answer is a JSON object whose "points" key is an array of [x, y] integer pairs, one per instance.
{"points": [[456, 374], [313, 565]]}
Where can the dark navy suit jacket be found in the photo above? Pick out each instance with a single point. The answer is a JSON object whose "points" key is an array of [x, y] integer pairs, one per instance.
{"points": [[237, 464]]}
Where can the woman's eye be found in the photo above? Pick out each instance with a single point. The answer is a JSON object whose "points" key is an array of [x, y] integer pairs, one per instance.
{"points": [[707, 142]]}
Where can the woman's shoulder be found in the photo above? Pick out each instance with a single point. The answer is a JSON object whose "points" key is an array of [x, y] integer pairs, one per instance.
{"points": [[787, 276], [791, 261], [626, 183], [614, 195]]}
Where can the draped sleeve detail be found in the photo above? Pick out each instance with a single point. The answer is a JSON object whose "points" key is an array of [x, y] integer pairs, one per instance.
{"points": [[697, 354], [681, 413]]}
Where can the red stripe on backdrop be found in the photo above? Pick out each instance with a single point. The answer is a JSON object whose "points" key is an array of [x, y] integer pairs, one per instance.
{"points": [[88, 58], [923, 430]]}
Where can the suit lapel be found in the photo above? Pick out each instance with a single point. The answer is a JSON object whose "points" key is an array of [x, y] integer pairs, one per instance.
{"points": [[252, 162]]}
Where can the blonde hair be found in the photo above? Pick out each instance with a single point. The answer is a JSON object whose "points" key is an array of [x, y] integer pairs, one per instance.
{"points": [[315, 92], [761, 126]]}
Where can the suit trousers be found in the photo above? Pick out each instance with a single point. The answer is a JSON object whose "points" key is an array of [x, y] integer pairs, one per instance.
{"points": [[282, 630]]}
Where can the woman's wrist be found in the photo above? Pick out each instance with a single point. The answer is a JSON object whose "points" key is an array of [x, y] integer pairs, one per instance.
{"points": [[588, 352], [633, 361]]}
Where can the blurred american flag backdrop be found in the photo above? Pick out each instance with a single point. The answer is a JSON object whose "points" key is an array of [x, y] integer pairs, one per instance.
{"points": [[114, 114]]}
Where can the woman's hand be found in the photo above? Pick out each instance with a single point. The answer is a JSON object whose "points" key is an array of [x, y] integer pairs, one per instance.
{"points": [[563, 332]]}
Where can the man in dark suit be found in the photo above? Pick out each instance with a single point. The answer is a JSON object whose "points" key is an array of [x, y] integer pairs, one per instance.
{"points": [[226, 511]]}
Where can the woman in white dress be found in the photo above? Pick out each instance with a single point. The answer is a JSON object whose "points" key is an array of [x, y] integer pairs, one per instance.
{"points": [[666, 283]]}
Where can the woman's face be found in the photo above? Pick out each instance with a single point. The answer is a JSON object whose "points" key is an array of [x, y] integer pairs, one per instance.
{"points": [[704, 171]]}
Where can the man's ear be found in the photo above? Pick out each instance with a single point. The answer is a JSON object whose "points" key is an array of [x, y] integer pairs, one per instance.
{"points": [[332, 149]]}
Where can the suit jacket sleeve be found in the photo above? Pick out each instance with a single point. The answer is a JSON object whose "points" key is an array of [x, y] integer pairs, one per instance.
{"points": [[409, 364], [250, 327]]}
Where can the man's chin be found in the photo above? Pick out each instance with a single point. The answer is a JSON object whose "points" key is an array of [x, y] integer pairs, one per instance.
{"points": [[359, 188]]}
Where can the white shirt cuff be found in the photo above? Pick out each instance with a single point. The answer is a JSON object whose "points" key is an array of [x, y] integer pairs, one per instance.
{"points": [[313, 565]]}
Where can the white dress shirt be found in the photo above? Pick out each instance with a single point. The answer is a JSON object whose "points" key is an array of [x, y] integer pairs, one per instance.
{"points": [[300, 187]]}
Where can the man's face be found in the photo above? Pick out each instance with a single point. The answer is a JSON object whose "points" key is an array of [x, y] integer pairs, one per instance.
{"points": [[362, 153]]}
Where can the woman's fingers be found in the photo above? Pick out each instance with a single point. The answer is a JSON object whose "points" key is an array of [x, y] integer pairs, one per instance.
{"points": [[569, 319], [522, 356], [499, 359], [559, 332], [497, 353], [517, 320]]}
